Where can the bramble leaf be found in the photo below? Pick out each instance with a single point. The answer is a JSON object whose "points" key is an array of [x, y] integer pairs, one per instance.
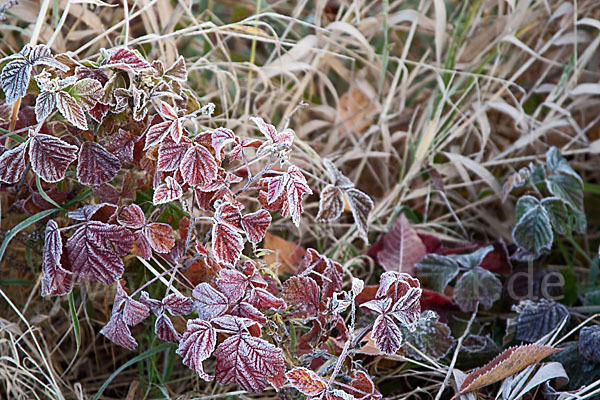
{"points": [[178, 305], [102, 212], [198, 167], [44, 105], [296, 188], [233, 283], [15, 79], [537, 319], [71, 110], [86, 92], [533, 231], [339, 180], [118, 332], [12, 164], [50, 156], [167, 192], [121, 144], [56, 280], [227, 243], [432, 337], [473, 259], [96, 165], [196, 345], [306, 381], [170, 154], [248, 361], [165, 330], [386, 334], [477, 285], [402, 247], [177, 71], [302, 293], [126, 60], [436, 271], [255, 225], [331, 204], [209, 302], [361, 206], [589, 343], [160, 236], [566, 188], [131, 216]]}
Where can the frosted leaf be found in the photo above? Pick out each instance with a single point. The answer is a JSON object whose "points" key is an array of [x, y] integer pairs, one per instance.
{"points": [[306, 381], [339, 180], [363, 388], [170, 154], [160, 236], [402, 247], [232, 324], [248, 361], [71, 110], [44, 105], [227, 243], [302, 294], [209, 302], [167, 192], [220, 138], [133, 311], [40, 54], [94, 251], [247, 310], [277, 140], [96, 165], [361, 206], [276, 187], [165, 330], [154, 305], [156, 133], [255, 225], [386, 334], [436, 271], [118, 332], [331, 204], [56, 281], [198, 167], [232, 283], [12, 164], [261, 299], [131, 216], [196, 345], [332, 281], [477, 285], [589, 343], [87, 92], [141, 245], [296, 188], [100, 212], [228, 212], [50, 156], [121, 144], [177, 71], [178, 305], [126, 60], [15, 79], [537, 319]]}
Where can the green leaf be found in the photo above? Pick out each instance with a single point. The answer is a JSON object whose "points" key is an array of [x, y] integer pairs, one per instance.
{"points": [[432, 337], [141, 357], [533, 231], [557, 163], [76, 328], [473, 259], [566, 188], [22, 225], [477, 285], [524, 204], [538, 174], [558, 214], [436, 271]]}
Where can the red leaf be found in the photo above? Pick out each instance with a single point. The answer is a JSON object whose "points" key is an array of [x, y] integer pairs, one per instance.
{"points": [[404, 292], [171, 153], [255, 225], [261, 299], [165, 330], [56, 280], [177, 71], [92, 250], [363, 387], [386, 334], [233, 284], [297, 187], [178, 305], [402, 248], [276, 187], [121, 144], [331, 204], [228, 212], [220, 137], [248, 361], [167, 192], [196, 345], [141, 246], [232, 324], [12, 164], [131, 216], [227, 243], [198, 167], [156, 133], [133, 311], [160, 236], [118, 332], [247, 310], [126, 60], [361, 206], [209, 302], [154, 305], [71, 110], [102, 212], [302, 294], [96, 164], [497, 261], [50, 156], [306, 381]]}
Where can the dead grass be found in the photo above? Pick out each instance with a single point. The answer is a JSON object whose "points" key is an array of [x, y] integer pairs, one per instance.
{"points": [[423, 106]]}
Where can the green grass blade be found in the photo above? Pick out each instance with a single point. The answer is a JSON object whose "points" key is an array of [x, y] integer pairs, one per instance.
{"points": [[76, 327], [45, 196], [134, 360], [24, 224]]}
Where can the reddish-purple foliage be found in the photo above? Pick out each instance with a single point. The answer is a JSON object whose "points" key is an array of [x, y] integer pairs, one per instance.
{"points": [[197, 344]]}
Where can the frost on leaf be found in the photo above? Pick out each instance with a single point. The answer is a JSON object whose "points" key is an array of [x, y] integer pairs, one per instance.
{"points": [[306, 381], [255, 225], [12, 164], [41, 54], [509, 362], [71, 110], [96, 165], [171, 153], [296, 188], [87, 92], [589, 343], [15, 79], [477, 286], [432, 337], [165, 330], [248, 361], [56, 280], [232, 324], [167, 192], [154, 305], [363, 388], [302, 294], [160, 236], [131, 216], [50, 156], [118, 332], [178, 70], [126, 60], [331, 204], [262, 299], [436, 271], [533, 231], [339, 180], [227, 243], [275, 140], [44, 105], [233, 283], [198, 167], [386, 334], [220, 137], [326, 272], [276, 187], [178, 305], [209, 302], [94, 251], [537, 319], [132, 311], [156, 133], [196, 345], [102, 212], [247, 310], [402, 248], [121, 144], [361, 206]]}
